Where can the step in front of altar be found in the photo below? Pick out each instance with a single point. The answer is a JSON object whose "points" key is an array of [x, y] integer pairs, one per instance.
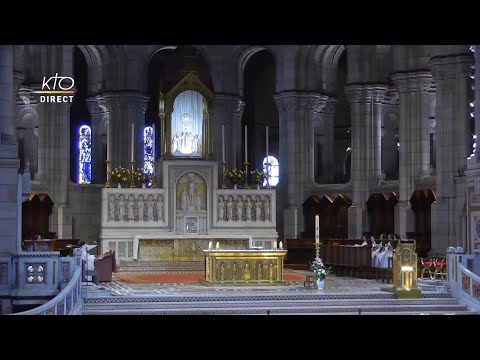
{"points": [[161, 266]]}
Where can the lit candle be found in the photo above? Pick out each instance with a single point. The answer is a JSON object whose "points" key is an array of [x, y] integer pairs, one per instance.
{"points": [[275, 245], [153, 145], [133, 131], [280, 245], [223, 143], [217, 245], [246, 143], [317, 229], [210, 245]]}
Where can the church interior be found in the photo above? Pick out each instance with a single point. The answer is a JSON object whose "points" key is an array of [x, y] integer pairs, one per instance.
{"points": [[244, 165]]}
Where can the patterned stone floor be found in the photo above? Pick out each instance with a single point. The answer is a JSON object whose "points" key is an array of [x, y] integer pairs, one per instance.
{"points": [[333, 285]]}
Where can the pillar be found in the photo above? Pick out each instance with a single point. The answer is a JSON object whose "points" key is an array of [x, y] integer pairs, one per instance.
{"points": [[124, 109], [98, 111], [9, 162], [451, 76], [324, 129], [228, 111], [415, 98], [296, 111], [365, 104]]}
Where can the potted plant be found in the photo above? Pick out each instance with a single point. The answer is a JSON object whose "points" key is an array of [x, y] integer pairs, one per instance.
{"points": [[257, 177], [320, 271], [236, 176], [119, 175]]}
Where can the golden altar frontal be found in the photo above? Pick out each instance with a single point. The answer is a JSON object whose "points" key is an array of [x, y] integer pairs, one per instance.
{"points": [[244, 266]]}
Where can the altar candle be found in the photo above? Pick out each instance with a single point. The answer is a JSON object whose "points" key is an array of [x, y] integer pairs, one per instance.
{"points": [[153, 146], [246, 143], [217, 246], [280, 245], [210, 245], [275, 245], [223, 143], [133, 131], [317, 229]]}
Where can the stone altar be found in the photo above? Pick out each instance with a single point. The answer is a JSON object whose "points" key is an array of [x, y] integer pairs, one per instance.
{"points": [[185, 211]]}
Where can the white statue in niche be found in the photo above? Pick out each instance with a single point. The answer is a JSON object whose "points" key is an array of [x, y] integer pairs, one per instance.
{"points": [[267, 209], [140, 208], [239, 208], [121, 206], [229, 209], [190, 198], [111, 207], [130, 206], [185, 142], [221, 208], [258, 210], [160, 207], [248, 209], [150, 204]]}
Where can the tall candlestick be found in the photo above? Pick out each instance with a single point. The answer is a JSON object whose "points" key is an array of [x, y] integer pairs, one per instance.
{"points": [[153, 145], [246, 143], [317, 229], [133, 131], [108, 141], [223, 143], [266, 138]]}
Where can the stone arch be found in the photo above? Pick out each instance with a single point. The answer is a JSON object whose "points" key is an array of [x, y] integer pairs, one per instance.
{"points": [[97, 57], [243, 55]]}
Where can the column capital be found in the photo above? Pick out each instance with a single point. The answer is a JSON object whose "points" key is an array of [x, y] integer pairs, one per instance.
{"points": [[364, 93], [330, 106], [228, 103], [414, 81], [96, 105], [126, 101], [293, 100], [451, 67], [25, 96]]}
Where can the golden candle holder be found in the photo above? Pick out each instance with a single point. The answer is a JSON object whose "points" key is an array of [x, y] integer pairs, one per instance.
{"points": [[132, 171], [224, 165], [107, 182], [246, 175], [267, 166]]}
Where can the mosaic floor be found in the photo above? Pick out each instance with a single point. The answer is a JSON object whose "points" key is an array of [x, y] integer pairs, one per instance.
{"points": [[333, 285]]}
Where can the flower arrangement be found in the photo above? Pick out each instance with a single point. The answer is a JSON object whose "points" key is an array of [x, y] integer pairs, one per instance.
{"points": [[319, 269], [257, 176], [236, 176], [120, 175], [138, 175]]}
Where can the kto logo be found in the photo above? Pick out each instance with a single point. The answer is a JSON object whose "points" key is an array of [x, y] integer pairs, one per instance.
{"points": [[54, 86]]}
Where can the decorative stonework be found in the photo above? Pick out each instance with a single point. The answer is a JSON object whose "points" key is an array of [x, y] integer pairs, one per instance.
{"points": [[65, 271], [3, 273], [191, 192], [35, 273], [362, 93], [134, 207], [292, 101], [245, 208]]}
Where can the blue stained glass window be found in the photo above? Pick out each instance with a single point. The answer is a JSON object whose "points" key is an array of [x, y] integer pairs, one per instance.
{"points": [[148, 159], [85, 155], [273, 171]]}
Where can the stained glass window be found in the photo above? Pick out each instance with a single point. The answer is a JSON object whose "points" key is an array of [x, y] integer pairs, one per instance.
{"points": [[85, 155], [148, 150], [273, 171]]}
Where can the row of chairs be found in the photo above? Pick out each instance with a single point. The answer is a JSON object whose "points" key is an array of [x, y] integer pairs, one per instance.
{"points": [[434, 268]]}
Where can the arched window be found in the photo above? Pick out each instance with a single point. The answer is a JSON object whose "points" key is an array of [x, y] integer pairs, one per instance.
{"points": [[85, 155], [273, 171], [148, 150]]}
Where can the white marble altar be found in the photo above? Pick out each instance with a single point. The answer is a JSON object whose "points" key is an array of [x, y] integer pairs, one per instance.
{"points": [[188, 205]]}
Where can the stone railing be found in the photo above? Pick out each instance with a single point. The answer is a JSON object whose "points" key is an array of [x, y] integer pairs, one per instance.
{"points": [[463, 283], [69, 301]]}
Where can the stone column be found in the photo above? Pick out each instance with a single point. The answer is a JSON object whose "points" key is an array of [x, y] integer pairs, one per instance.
{"points": [[365, 107], [295, 119], [414, 138], [9, 162], [477, 102], [124, 109], [325, 128], [98, 111], [451, 75], [228, 111]]}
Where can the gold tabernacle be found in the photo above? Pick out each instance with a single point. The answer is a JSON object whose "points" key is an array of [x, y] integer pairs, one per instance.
{"points": [[244, 266]]}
